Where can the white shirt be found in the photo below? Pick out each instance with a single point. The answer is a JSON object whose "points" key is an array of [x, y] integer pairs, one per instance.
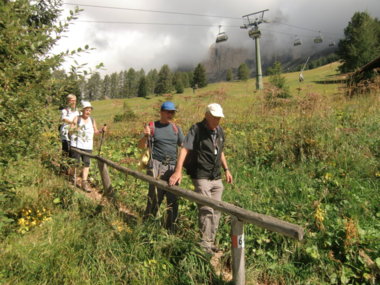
{"points": [[83, 139], [68, 114]]}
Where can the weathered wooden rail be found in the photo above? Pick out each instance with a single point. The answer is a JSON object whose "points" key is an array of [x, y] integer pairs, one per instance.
{"points": [[239, 215]]}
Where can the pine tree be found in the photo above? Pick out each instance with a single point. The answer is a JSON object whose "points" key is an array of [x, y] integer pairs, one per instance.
{"points": [[131, 83], [361, 43], [178, 82], [277, 80], [199, 77], [142, 89], [151, 80], [229, 75], [243, 72], [106, 88], [93, 87], [114, 86], [164, 82]]}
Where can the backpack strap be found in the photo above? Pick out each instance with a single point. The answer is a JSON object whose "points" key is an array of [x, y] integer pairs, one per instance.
{"points": [[80, 117], [220, 131], [152, 128], [175, 128]]}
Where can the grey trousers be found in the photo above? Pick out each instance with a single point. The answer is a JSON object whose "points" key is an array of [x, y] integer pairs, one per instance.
{"points": [[156, 195], [208, 217]]}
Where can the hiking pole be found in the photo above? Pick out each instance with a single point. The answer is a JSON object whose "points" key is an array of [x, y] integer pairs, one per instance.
{"points": [[76, 161], [101, 139]]}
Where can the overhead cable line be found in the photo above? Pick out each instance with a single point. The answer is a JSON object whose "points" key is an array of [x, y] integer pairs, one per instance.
{"points": [[302, 28], [183, 25], [177, 13], [151, 23], [154, 11]]}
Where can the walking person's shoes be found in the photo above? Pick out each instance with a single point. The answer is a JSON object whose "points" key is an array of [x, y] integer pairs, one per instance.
{"points": [[215, 248], [209, 248], [86, 186]]}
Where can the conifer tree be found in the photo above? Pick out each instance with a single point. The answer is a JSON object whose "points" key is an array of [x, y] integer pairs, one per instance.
{"points": [[142, 89], [164, 82], [361, 43], [243, 72], [199, 77], [229, 75]]}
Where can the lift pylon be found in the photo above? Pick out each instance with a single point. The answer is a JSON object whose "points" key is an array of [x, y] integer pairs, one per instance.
{"points": [[253, 21]]}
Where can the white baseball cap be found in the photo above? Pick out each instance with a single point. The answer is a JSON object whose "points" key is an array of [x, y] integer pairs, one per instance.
{"points": [[86, 104], [215, 109]]}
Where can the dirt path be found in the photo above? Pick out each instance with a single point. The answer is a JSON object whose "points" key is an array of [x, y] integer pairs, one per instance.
{"points": [[96, 195]]}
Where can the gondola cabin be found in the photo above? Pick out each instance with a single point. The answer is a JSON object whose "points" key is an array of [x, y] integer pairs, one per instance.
{"points": [[297, 42], [318, 39], [221, 37]]}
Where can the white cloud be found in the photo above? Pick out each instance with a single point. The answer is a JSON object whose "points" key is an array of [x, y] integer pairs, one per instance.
{"points": [[121, 46]]}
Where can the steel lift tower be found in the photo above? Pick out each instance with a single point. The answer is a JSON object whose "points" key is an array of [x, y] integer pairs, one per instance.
{"points": [[253, 21]]}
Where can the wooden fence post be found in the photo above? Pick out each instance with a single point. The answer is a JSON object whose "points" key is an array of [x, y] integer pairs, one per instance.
{"points": [[107, 187], [237, 243]]}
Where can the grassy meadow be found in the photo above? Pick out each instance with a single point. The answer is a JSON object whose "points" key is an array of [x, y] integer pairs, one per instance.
{"points": [[312, 159]]}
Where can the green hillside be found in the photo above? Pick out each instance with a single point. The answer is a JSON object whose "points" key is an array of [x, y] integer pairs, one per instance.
{"points": [[312, 159]]}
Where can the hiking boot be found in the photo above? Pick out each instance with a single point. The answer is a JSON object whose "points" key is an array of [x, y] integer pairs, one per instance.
{"points": [[214, 248], [206, 247], [86, 186]]}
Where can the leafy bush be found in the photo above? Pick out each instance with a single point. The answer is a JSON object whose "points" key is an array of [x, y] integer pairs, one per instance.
{"points": [[29, 32], [127, 114], [279, 81]]}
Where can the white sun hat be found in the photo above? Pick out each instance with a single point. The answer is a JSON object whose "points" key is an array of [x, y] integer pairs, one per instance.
{"points": [[86, 104], [215, 109]]}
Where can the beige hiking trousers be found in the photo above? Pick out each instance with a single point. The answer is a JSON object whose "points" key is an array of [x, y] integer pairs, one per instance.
{"points": [[208, 217]]}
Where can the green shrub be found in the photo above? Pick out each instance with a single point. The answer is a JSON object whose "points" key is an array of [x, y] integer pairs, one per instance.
{"points": [[127, 114]]}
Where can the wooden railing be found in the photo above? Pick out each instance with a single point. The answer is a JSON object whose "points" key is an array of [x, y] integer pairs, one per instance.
{"points": [[239, 215]]}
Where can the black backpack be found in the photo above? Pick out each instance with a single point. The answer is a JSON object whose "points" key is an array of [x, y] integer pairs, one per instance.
{"points": [[61, 124]]}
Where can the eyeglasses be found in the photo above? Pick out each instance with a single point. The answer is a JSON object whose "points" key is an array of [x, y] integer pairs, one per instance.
{"points": [[170, 112]]}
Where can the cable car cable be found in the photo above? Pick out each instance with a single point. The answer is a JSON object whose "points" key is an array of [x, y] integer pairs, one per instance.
{"points": [[183, 13], [152, 11]]}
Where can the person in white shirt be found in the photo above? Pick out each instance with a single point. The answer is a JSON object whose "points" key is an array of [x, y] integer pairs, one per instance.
{"points": [[68, 114], [82, 135]]}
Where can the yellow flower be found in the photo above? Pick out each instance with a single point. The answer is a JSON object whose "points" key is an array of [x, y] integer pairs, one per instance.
{"points": [[328, 176], [319, 217], [21, 221]]}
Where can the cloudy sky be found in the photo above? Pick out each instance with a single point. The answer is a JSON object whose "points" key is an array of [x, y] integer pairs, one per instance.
{"points": [[149, 33]]}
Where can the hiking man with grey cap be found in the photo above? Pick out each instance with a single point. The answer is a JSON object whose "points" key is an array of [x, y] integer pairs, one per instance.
{"points": [[205, 143], [163, 137]]}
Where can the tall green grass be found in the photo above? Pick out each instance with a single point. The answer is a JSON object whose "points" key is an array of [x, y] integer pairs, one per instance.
{"points": [[312, 159]]}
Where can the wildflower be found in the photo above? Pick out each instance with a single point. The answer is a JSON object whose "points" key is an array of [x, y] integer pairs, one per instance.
{"points": [[21, 221], [328, 176], [319, 217]]}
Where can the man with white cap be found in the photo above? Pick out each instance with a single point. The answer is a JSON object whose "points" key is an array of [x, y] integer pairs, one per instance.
{"points": [[204, 146]]}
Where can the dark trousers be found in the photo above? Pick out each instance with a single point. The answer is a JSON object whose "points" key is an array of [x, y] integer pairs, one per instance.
{"points": [[156, 196], [65, 156]]}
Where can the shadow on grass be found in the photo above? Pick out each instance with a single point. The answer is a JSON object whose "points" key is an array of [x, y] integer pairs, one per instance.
{"points": [[335, 81]]}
